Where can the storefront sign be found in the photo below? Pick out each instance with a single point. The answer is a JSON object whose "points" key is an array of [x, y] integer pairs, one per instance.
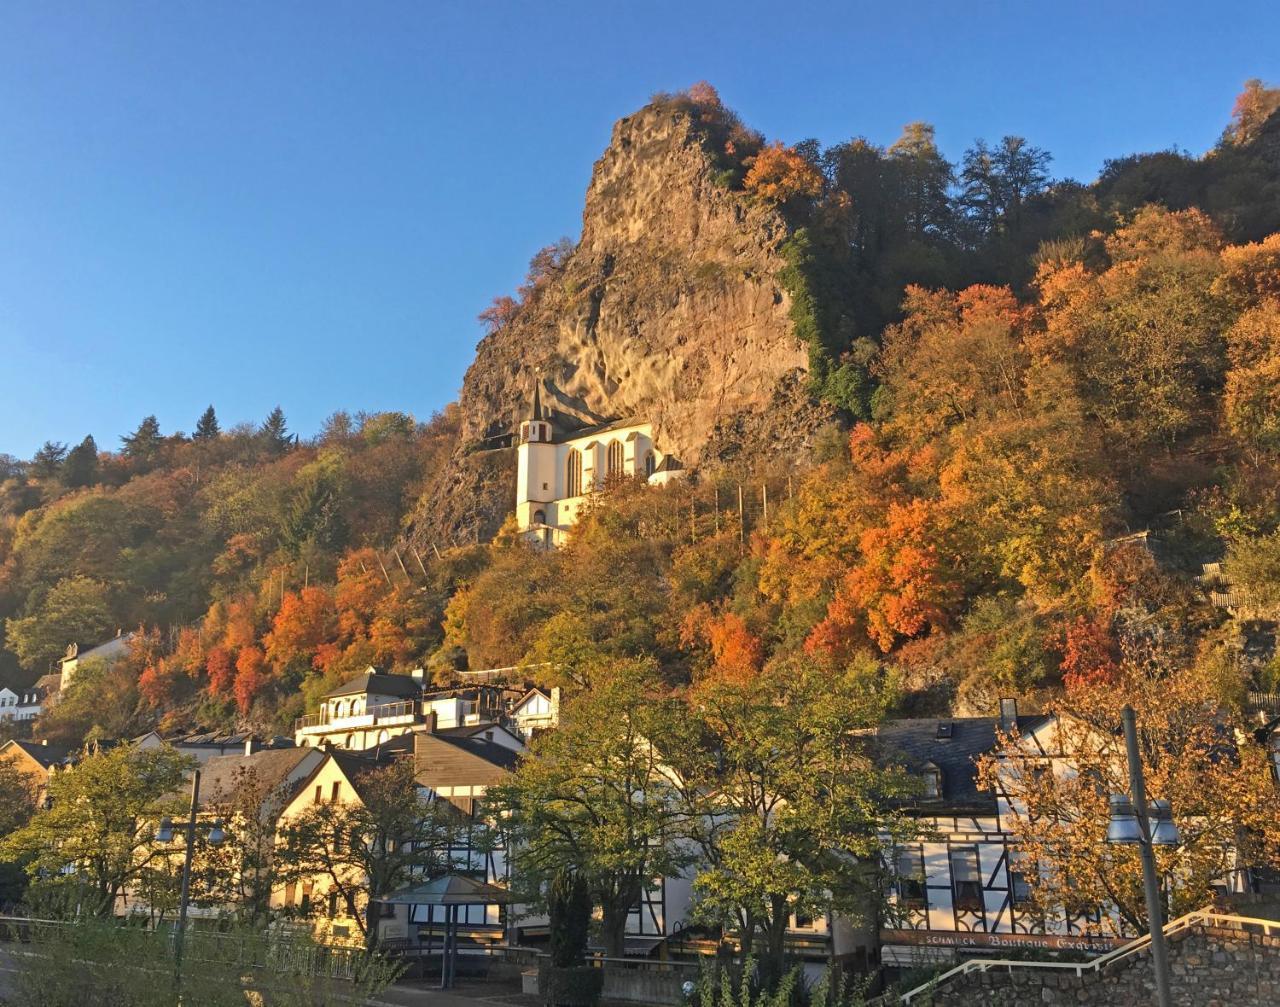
{"points": [[961, 940]]}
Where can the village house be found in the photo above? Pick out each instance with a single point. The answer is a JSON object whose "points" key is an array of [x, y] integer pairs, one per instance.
{"points": [[38, 760], [22, 704], [557, 471], [374, 708], [104, 653], [961, 888]]}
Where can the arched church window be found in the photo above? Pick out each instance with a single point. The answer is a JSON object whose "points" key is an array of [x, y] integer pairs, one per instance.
{"points": [[614, 461], [573, 474], [648, 464]]}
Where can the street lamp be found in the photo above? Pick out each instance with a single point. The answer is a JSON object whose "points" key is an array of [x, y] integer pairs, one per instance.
{"points": [[1135, 822], [164, 834]]}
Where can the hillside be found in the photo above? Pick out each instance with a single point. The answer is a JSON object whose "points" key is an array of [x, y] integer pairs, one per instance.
{"points": [[988, 427]]}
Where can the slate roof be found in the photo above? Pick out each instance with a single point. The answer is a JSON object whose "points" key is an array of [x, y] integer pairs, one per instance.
{"points": [[379, 684], [47, 755], [110, 650], [218, 776], [915, 744]]}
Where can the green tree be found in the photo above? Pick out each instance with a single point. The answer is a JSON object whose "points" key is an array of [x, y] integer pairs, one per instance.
{"points": [[47, 463], [274, 432], [791, 811], [96, 837], [142, 446], [207, 428], [369, 847], [76, 610], [594, 799], [81, 466]]}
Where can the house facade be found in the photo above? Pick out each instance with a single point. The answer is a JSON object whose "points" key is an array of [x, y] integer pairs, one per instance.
{"points": [[21, 704]]}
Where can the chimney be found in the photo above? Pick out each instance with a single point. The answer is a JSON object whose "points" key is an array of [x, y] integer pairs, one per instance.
{"points": [[1008, 715], [430, 717], [555, 706], [250, 746], [488, 735]]}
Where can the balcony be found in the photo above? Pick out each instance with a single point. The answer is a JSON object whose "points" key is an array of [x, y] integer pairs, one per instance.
{"points": [[387, 715]]}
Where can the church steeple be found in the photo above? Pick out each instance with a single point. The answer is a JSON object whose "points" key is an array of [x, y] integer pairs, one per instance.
{"points": [[537, 428]]}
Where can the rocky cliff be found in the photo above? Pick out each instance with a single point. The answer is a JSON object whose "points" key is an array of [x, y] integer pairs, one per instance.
{"points": [[669, 309]]}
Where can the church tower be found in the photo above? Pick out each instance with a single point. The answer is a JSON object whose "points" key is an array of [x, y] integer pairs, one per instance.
{"points": [[536, 466]]}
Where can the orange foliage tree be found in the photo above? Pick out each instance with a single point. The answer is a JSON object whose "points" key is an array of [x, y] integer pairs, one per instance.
{"points": [[780, 174]]}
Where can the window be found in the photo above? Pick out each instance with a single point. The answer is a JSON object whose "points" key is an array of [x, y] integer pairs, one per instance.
{"points": [[932, 782], [910, 878], [1019, 883], [539, 517], [614, 460], [333, 903], [319, 794], [335, 792], [966, 882], [649, 464], [573, 474]]}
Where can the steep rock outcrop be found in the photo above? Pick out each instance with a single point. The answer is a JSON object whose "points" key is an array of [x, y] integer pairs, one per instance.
{"points": [[669, 310]]}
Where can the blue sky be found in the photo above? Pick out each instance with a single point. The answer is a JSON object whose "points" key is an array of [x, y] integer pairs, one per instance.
{"points": [[307, 204]]}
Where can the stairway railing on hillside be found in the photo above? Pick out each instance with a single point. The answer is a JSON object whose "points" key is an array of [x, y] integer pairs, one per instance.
{"points": [[1200, 918]]}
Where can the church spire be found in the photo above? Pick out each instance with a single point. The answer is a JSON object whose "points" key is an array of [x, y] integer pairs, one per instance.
{"points": [[537, 399]]}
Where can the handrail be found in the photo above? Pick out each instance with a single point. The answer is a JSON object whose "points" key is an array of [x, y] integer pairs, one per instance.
{"points": [[1199, 917]]}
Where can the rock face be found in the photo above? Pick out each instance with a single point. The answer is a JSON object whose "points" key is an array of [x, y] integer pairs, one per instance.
{"points": [[668, 310]]}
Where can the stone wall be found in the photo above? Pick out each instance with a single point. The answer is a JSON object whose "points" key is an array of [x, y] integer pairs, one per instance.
{"points": [[1211, 967]]}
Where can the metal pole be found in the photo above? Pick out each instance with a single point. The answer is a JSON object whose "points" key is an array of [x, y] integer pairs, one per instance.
{"points": [[1150, 879], [186, 883]]}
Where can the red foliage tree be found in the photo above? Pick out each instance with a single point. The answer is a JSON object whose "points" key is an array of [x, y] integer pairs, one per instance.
{"points": [[250, 677]]}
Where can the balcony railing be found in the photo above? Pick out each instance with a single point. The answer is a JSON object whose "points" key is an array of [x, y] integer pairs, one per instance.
{"points": [[369, 717]]}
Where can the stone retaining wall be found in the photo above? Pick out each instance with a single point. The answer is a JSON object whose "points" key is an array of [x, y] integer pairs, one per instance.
{"points": [[1211, 967]]}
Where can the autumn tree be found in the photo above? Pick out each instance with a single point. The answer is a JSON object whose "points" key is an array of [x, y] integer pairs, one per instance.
{"points": [[366, 848], [76, 610], [97, 832], [779, 174], [1060, 814], [1253, 107], [1142, 338], [594, 798]]}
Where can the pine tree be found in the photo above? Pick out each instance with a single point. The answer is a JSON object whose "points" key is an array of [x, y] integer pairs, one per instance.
{"points": [[207, 428], [47, 462], [143, 443], [274, 432], [81, 466]]}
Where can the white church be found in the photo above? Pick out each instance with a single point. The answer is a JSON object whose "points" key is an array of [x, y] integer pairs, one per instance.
{"points": [[556, 474]]}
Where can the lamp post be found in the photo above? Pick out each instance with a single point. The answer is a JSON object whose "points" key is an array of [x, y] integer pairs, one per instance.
{"points": [[1136, 822], [165, 834]]}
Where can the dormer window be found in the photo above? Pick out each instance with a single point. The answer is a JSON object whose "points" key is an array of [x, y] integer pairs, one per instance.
{"points": [[932, 777], [946, 729]]}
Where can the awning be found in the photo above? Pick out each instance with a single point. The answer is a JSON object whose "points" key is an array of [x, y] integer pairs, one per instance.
{"points": [[449, 890]]}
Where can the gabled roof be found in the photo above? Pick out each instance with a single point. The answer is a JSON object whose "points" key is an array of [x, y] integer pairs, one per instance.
{"points": [[49, 683], [441, 761], [46, 755], [669, 463], [535, 691], [108, 651], [379, 684], [923, 742], [271, 767], [449, 890]]}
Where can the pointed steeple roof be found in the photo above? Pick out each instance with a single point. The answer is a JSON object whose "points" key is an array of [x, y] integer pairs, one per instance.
{"points": [[537, 400]]}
